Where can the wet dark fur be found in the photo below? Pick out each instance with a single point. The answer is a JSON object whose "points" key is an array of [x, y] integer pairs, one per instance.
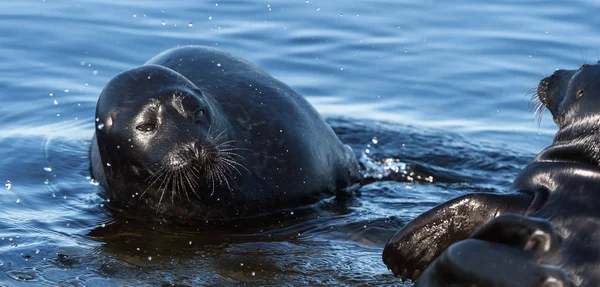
{"points": [[198, 134]]}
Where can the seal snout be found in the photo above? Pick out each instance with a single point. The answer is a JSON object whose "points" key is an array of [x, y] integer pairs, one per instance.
{"points": [[190, 154], [544, 87]]}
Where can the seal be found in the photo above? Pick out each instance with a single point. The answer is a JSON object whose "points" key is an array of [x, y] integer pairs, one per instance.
{"points": [[200, 134], [545, 230]]}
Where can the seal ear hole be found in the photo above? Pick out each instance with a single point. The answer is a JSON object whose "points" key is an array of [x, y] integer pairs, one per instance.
{"points": [[147, 127], [579, 94]]}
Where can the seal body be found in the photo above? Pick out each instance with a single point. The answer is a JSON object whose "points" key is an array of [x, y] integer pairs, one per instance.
{"points": [[544, 232], [200, 134]]}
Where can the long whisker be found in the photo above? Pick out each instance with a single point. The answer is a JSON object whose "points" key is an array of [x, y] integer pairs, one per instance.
{"points": [[163, 186]]}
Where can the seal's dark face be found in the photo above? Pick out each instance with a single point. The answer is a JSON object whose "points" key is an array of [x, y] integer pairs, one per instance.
{"points": [[156, 129], [572, 95]]}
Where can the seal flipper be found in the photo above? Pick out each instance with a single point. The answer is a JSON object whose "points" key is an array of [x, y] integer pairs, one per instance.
{"points": [[530, 234], [475, 262], [418, 243], [503, 252]]}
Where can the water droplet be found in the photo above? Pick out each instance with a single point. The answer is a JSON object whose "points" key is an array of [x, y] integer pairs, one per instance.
{"points": [[108, 164], [37, 251], [53, 195], [341, 15], [367, 150], [55, 102], [217, 4], [100, 126], [58, 115], [138, 249], [190, 24], [218, 64], [149, 258], [13, 245], [46, 181], [82, 63], [242, 264], [209, 17], [103, 225], [51, 94], [190, 242], [341, 69], [95, 72], [18, 200], [318, 9], [164, 23], [8, 184], [47, 168], [292, 213], [254, 273], [134, 16], [374, 140], [66, 90]]}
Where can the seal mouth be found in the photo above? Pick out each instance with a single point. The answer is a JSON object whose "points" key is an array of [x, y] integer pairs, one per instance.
{"points": [[195, 169]]}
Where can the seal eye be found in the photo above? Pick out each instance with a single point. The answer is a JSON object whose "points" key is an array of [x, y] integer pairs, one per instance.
{"points": [[146, 127], [200, 115]]}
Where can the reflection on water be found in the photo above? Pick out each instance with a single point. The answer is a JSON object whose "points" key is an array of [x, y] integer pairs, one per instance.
{"points": [[62, 228], [431, 95]]}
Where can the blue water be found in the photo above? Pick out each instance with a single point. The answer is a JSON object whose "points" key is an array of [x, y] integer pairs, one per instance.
{"points": [[442, 86]]}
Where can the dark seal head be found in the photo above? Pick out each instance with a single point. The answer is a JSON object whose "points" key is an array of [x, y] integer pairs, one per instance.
{"points": [[157, 136], [547, 225], [185, 138]]}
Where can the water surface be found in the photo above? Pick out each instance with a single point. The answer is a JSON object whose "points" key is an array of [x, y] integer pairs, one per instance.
{"points": [[442, 86]]}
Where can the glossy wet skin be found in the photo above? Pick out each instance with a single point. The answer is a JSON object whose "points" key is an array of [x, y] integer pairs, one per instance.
{"points": [[161, 128], [186, 139], [475, 240]]}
